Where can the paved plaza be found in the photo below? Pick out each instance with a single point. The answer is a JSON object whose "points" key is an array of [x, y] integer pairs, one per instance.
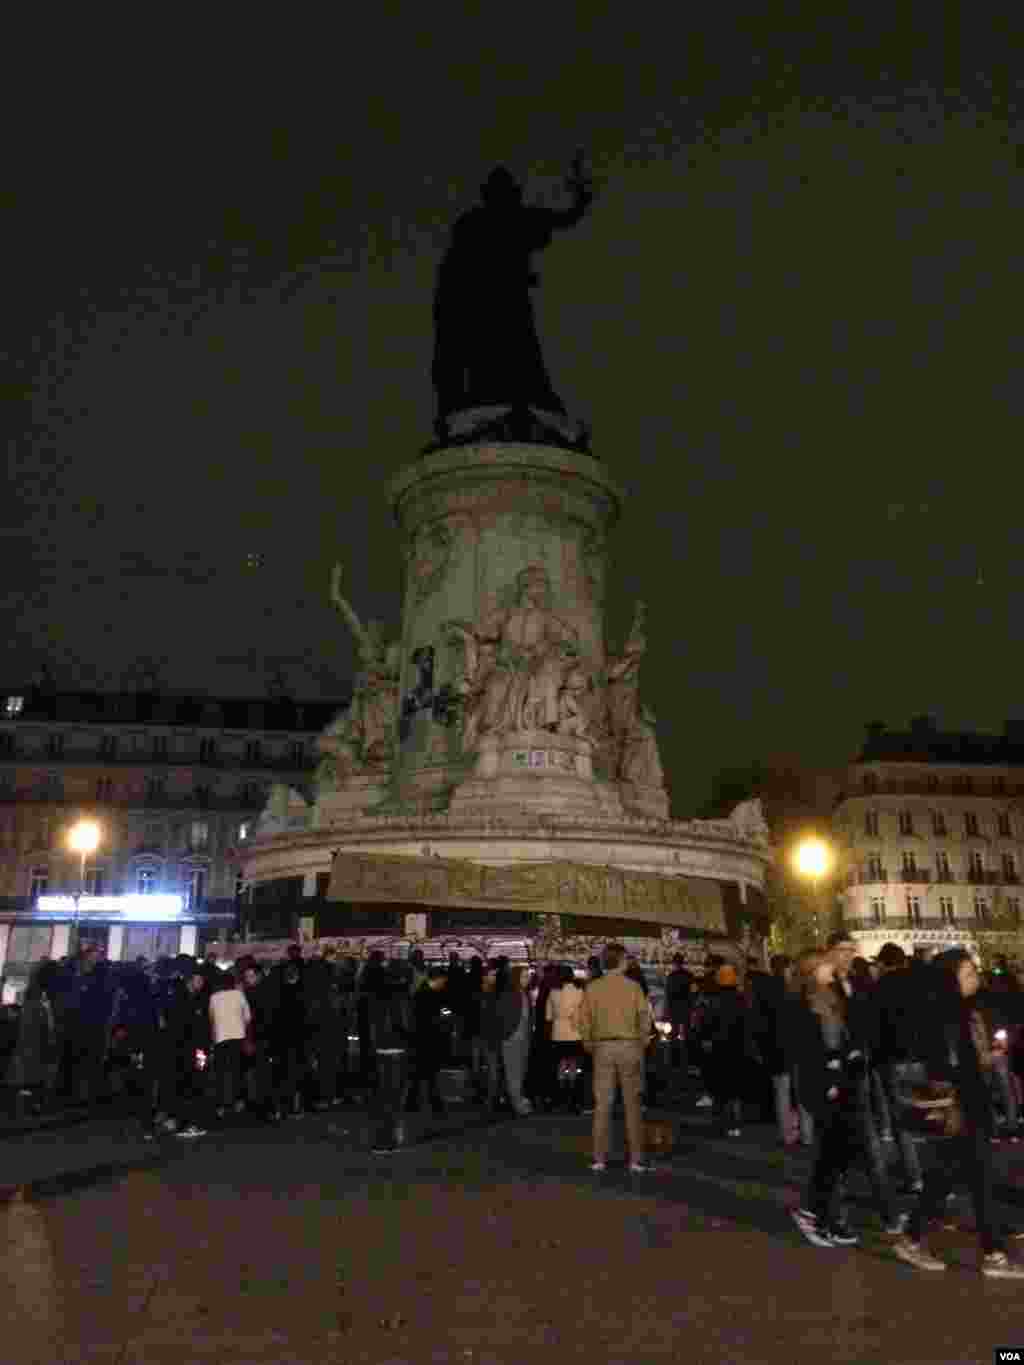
{"points": [[492, 1243]]}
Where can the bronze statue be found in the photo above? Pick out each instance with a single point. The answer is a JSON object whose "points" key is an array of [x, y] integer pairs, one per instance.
{"points": [[486, 348]]}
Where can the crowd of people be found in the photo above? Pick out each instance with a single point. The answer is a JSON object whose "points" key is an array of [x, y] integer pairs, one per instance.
{"points": [[855, 1059]]}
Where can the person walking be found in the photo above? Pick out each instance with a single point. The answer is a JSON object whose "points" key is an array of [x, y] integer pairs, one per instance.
{"points": [[727, 1035], [829, 1069], [958, 1060], [898, 1016], [678, 995], [428, 1043], [614, 1024], [187, 1050], [230, 1017]]}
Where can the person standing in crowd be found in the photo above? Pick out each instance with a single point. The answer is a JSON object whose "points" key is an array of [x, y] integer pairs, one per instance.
{"points": [[230, 1017], [289, 1038], [678, 995], [187, 1051], [513, 1020], [728, 1043], [703, 1003], [256, 1047], [491, 1081], [769, 1014], [828, 1068], [322, 1026], [1000, 1003], [455, 999], [471, 1019], [540, 1070], [32, 1070], [958, 1058], [614, 1024], [371, 987], [562, 1012], [896, 1065], [428, 1043]]}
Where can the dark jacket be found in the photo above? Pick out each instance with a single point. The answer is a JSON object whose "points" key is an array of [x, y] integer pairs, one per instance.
{"points": [[188, 1023], [897, 1007], [428, 1038], [501, 1015], [823, 1060], [678, 993], [770, 1005], [950, 1055]]}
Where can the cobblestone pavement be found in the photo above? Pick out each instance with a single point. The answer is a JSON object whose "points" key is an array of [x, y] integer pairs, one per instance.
{"points": [[495, 1244]]}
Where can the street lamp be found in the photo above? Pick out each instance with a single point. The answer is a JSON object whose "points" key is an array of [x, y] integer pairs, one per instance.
{"points": [[812, 859], [83, 839]]}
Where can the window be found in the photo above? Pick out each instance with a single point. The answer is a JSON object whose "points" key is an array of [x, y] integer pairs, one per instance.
{"points": [[207, 750], [151, 942], [146, 881], [914, 909], [198, 834], [971, 824], [29, 942], [53, 787], [909, 867], [878, 910], [55, 746], [94, 881], [14, 706], [105, 789], [1013, 909], [939, 824], [975, 867], [871, 824], [253, 751], [196, 888], [876, 872], [6, 745], [1005, 828], [946, 910], [108, 746], [942, 872], [1009, 868], [981, 909], [906, 822], [155, 789], [160, 747], [39, 882]]}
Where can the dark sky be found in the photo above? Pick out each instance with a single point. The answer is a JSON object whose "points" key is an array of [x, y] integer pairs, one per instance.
{"points": [[792, 318]]}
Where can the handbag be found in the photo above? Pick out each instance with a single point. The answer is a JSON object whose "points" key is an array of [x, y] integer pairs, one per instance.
{"points": [[938, 1107]]}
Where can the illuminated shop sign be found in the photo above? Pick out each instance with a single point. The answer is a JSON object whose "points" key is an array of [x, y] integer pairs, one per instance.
{"points": [[137, 907]]}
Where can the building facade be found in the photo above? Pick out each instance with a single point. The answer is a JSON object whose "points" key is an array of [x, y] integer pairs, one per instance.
{"points": [[174, 783], [930, 831]]}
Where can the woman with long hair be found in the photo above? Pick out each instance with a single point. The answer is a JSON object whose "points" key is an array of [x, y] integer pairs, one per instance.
{"points": [[829, 1067], [958, 1058]]}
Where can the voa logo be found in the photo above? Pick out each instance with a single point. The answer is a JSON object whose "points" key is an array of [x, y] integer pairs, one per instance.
{"points": [[1010, 1355]]}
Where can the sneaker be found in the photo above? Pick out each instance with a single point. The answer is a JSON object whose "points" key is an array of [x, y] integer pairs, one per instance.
{"points": [[638, 1168], [705, 1102], [842, 1234], [915, 1187], [812, 1228], [916, 1255], [598, 1166], [383, 1151], [192, 1131], [998, 1266]]}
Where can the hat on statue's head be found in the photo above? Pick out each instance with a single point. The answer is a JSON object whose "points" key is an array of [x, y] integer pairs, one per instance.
{"points": [[501, 185]]}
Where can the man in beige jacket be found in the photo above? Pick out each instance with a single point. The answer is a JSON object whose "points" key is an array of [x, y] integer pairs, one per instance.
{"points": [[615, 1022]]}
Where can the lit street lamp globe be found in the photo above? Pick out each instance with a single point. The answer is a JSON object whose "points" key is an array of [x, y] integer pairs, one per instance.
{"points": [[812, 858], [84, 837]]}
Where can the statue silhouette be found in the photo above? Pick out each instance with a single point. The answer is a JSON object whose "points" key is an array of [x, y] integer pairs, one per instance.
{"points": [[486, 348]]}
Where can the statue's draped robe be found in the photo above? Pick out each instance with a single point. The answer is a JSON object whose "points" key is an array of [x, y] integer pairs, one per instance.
{"points": [[486, 348]]}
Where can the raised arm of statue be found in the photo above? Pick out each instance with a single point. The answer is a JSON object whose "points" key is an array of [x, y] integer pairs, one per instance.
{"points": [[581, 187], [367, 645]]}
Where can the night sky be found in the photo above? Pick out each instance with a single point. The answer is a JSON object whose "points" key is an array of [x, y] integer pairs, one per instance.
{"points": [[792, 318]]}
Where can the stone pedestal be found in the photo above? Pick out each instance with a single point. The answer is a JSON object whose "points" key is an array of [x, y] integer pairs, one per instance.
{"points": [[651, 802], [359, 793], [471, 517], [536, 772]]}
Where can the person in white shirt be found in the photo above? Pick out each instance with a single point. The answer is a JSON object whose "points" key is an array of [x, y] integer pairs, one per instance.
{"points": [[568, 1056], [230, 1018]]}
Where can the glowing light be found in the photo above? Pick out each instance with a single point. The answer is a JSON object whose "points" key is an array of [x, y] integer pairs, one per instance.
{"points": [[812, 858], [136, 907], [84, 837]]}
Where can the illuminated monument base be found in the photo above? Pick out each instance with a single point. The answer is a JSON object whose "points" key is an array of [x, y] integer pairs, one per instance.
{"points": [[497, 758]]}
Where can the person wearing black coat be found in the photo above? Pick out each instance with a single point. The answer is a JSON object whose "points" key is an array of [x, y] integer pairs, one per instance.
{"points": [[428, 1042], [728, 1045], [957, 1054], [830, 1065], [187, 1044], [895, 1000]]}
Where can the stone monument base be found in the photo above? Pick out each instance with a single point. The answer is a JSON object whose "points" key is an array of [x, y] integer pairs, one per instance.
{"points": [[537, 772], [359, 793], [651, 802]]}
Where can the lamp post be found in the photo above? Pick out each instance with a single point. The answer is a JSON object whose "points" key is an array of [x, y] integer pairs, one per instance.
{"points": [[812, 859], [84, 839]]}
